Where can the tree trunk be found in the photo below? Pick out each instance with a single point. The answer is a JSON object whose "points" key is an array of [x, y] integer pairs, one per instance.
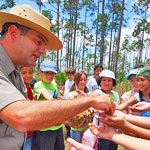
{"points": [[102, 34], [119, 35], [74, 41], [96, 33], [58, 37]]}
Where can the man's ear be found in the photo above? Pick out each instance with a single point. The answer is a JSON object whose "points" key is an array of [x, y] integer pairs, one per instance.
{"points": [[14, 32]]}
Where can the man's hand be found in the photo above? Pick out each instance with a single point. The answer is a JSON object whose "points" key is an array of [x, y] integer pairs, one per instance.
{"points": [[74, 145], [104, 103], [141, 106]]}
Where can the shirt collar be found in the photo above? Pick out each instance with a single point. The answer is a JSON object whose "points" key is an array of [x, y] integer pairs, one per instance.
{"points": [[6, 61]]}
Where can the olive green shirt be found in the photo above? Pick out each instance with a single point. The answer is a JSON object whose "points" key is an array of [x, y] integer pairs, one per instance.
{"points": [[12, 89]]}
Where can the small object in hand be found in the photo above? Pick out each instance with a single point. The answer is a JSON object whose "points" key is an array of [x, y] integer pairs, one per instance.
{"points": [[108, 111], [86, 114]]}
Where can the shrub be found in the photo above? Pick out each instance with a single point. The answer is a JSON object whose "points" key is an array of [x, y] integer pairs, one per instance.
{"points": [[60, 78]]}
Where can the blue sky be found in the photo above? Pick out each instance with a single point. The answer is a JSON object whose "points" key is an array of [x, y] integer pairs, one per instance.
{"points": [[33, 4]]}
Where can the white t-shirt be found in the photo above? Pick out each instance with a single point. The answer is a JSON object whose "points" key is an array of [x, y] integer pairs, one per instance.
{"points": [[92, 85], [95, 121], [68, 85]]}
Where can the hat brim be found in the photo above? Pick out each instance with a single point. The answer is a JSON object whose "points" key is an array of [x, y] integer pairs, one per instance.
{"points": [[108, 76], [53, 42], [128, 77], [48, 69]]}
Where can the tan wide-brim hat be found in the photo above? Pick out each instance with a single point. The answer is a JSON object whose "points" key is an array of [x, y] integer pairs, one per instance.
{"points": [[29, 17]]}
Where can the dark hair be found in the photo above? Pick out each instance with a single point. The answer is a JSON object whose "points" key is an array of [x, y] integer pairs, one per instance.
{"points": [[70, 71], [25, 66], [77, 77], [22, 28], [98, 66], [99, 79]]}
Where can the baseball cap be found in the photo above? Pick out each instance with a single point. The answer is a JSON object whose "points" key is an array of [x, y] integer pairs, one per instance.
{"points": [[144, 72], [132, 72], [107, 73], [48, 65]]}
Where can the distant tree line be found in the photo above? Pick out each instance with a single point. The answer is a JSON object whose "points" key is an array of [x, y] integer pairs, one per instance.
{"points": [[90, 31]]}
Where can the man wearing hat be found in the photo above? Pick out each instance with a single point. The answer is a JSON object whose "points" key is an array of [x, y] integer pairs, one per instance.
{"points": [[24, 37]]}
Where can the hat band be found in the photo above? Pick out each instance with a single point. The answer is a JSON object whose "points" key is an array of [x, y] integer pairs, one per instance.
{"points": [[144, 76]]}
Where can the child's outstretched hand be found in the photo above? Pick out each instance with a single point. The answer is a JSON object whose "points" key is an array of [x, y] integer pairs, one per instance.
{"points": [[74, 145], [116, 122], [141, 106], [81, 93], [105, 131]]}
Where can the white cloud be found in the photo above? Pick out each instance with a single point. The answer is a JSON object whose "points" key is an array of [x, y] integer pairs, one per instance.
{"points": [[44, 1]]}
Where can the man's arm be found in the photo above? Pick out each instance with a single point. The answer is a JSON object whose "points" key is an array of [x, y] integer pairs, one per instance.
{"points": [[33, 115]]}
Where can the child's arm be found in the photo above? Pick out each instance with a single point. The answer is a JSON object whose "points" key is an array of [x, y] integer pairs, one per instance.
{"points": [[141, 106], [140, 121], [46, 95], [121, 123], [111, 134], [126, 104]]}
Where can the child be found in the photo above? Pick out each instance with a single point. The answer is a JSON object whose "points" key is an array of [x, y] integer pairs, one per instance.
{"points": [[92, 84], [143, 79], [50, 138], [68, 84], [66, 88], [134, 84], [80, 81], [27, 75], [107, 81]]}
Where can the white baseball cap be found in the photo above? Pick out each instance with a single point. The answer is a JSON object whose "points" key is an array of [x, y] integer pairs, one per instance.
{"points": [[107, 73]]}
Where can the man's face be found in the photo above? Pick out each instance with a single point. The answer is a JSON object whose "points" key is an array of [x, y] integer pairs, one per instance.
{"points": [[30, 47]]}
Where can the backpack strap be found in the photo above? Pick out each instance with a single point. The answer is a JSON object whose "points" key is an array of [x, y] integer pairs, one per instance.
{"points": [[129, 92]]}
